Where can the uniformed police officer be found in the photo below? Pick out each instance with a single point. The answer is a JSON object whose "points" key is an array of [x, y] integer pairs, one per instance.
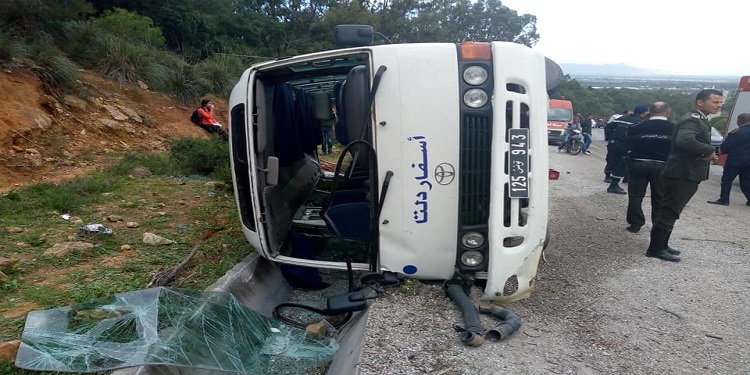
{"points": [[618, 130], [649, 148], [687, 165], [737, 148], [609, 137]]}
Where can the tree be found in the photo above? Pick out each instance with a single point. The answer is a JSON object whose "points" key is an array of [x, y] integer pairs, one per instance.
{"points": [[132, 26], [278, 28], [30, 16], [457, 21]]}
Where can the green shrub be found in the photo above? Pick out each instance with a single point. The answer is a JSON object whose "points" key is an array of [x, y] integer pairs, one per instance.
{"points": [[14, 203], [123, 60], [132, 26], [207, 157], [159, 164], [220, 73], [29, 16], [223, 173], [82, 40], [51, 66], [159, 73], [91, 186], [184, 83], [45, 197], [68, 196], [11, 49]]}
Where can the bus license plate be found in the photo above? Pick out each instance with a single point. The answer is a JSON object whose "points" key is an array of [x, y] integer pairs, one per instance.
{"points": [[518, 166]]}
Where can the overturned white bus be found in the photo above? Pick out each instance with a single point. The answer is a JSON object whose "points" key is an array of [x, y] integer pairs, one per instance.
{"points": [[444, 164]]}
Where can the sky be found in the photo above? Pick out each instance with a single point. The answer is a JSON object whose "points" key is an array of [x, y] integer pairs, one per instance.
{"points": [[709, 37]]}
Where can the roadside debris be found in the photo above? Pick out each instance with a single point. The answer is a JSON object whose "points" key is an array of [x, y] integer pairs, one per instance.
{"points": [[165, 276], [152, 239], [97, 228], [163, 326]]}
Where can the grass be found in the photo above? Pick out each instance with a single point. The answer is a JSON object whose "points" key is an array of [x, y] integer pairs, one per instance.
{"points": [[409, 287], [191, 211], [52, 66], [11, 50], [56, 59]]}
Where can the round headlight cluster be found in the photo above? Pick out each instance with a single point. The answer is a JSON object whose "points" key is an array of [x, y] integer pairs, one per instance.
{"points": [[475, 98], [475, 75], [472, 240], [472, 258]]}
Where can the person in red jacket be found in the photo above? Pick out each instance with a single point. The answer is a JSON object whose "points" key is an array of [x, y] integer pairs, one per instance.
{"points": [[208, 121]]}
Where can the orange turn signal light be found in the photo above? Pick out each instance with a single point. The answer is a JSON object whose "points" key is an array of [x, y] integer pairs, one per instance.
{"points": [[475, 51]]}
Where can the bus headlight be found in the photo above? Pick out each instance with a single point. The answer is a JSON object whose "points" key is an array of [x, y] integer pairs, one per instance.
{"points": [[472, 240], [475, 98], [472, 258], [475, 75]]}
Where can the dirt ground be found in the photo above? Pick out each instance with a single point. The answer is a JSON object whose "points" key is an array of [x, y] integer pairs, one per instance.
{"points": [[48, 138], [600, 306]]}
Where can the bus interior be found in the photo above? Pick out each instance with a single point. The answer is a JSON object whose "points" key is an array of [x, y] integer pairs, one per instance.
{"points": [[311, 213]]}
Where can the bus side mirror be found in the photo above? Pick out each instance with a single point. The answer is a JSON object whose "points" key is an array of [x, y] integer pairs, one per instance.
{"points": [[555, 76], [272, 172], [353, 35]]}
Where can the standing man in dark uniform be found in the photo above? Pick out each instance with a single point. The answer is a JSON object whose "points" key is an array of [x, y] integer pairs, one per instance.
{"points": [[649, 148], [737, 148], [687, 165], [609, 136], [620, 145]]}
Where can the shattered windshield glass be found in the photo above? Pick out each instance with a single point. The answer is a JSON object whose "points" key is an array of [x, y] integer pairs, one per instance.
{"points": [[163, 326]]}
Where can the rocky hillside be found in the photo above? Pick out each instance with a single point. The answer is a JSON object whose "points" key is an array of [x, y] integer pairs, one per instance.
{"points": [[46, 138]]}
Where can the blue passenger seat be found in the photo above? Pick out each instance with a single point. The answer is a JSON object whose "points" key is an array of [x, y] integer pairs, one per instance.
{"points": [[350, 209]]}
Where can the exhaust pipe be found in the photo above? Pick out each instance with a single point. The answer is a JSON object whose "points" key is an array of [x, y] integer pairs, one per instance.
{"points": [[458, 289]]}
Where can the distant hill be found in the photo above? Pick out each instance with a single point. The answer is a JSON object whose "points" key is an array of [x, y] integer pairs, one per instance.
{"points": [[626, 76], [606, 70]]}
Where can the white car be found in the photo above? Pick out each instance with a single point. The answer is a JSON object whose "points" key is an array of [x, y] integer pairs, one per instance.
{"points": [[716, 138]]}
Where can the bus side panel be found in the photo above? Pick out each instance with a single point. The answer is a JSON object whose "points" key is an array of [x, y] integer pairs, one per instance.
{"points": [[418, 102]]}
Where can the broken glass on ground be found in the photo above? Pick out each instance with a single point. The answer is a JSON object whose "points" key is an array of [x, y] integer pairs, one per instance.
{"points": [[165, 326]]}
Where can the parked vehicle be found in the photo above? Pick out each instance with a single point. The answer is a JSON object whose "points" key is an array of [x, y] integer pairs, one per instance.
{"points": [[559, 114], [716, 139], [435, 176]]}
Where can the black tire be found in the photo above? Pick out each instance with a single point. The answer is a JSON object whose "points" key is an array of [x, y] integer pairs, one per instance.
{"points": [[575, 147]]}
